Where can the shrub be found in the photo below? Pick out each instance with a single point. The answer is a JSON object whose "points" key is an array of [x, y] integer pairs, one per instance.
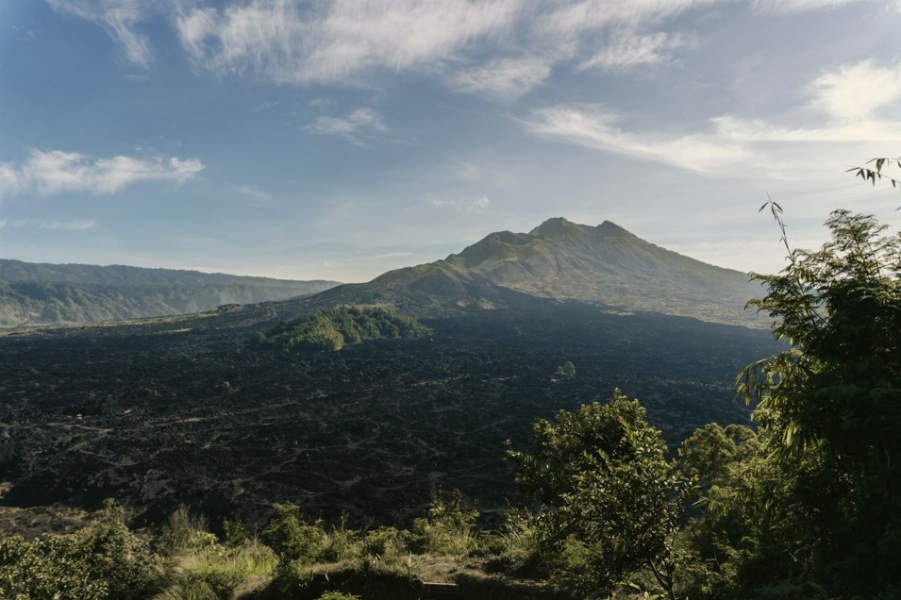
{"points": [[104, 562], [293, 539], [450, 527]]}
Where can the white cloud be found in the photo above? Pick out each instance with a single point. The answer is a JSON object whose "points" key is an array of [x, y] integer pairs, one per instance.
{"points": [[118, 18], [786, 7], [504, 78], [49, 173], [467, 206], [856, 92], [2, 223], [856, 103], [351, 42], [77, 224], [627, 50], [288, 42], [594, 127], [266, 106], [348, 127]]}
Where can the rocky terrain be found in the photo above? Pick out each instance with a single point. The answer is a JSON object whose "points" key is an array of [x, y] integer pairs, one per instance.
{"points": [[160, 412]]}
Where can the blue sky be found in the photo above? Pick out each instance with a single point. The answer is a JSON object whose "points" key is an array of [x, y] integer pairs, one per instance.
{"points": [[340, 139]]}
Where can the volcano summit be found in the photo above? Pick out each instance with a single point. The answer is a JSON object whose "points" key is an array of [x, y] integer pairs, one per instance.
{"points": [[602, 265]]}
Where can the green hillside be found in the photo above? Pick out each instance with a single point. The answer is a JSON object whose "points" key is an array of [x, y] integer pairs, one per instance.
{"points": [[331, 328], [559, 259]]}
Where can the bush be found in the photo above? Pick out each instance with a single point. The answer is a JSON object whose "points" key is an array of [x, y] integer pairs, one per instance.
{"points": [[104, 562], [293, 539], [449, 529]]}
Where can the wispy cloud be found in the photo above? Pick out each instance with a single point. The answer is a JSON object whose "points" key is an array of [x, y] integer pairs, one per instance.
{"points": [[359, 121], [503, 78], [352, 42], [118, 18], [855, 103], [466, 170], [77, 224], [253, 192], [322, 103], [266, 106], [290, 42], [627, 50], [592, 126], [49, 173], [23, 35], [467, 206], [388, 255]]}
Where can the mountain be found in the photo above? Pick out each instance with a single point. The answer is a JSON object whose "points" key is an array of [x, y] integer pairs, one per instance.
{"points": [[17, 270], [563, 260], [47, 294]]}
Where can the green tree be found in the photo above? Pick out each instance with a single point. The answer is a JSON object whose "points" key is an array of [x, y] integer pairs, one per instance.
{"points": [[602, 475], [829, 408], [566, 371]]}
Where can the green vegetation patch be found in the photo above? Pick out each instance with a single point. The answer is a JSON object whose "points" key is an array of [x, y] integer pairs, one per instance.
{"points": [[331, 328]]}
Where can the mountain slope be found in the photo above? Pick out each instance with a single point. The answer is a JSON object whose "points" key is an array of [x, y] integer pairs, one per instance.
{"points": [[45, 294], [17, 270], [566, 261]]}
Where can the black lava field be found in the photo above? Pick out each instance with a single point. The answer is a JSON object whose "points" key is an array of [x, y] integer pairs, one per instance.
{"points": [[161, 412]]}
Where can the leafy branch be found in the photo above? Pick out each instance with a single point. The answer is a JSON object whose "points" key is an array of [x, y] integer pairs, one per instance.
{"points": [[868, 174]]}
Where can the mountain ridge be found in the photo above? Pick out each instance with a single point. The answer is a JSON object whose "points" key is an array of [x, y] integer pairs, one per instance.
{"points": [[604, 264], [18, 270], [41, 294]]}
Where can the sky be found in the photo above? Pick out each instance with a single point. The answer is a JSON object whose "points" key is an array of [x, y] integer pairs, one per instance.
{"points": [[340, 139]]}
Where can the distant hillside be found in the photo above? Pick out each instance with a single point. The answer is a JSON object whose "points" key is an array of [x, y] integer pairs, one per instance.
{"points": [[43, 294], [563, 260], [17, 270]]}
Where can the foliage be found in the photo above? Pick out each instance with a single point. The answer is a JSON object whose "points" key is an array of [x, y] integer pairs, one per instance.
{"points": [[566, 370], [603, 472], [234, 532], [450, 527], [294, 539], [185, 532], [381, 542], [215, 572], [103, 562], [868, 174], [333, 595], [330, 329], [827, 482]]}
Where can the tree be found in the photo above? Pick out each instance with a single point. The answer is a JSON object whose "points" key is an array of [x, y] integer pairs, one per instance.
{"points": [[566, 371], [829, 408], [603, 478]]}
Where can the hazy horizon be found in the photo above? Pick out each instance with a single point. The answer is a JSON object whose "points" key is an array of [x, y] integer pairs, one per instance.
{"points": [[341, 139]]}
